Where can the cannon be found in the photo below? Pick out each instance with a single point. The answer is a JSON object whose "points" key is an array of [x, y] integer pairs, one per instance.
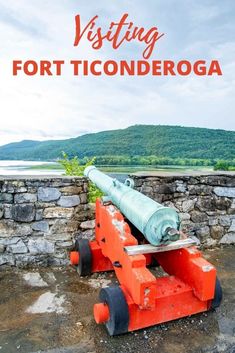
{"points": [[132, 233], [157, 223]]}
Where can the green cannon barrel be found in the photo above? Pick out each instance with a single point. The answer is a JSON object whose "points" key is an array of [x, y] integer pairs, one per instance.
{"points": [[159, 224]]}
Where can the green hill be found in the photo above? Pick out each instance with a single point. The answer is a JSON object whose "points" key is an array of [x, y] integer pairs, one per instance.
{"points": [[138, 140]]}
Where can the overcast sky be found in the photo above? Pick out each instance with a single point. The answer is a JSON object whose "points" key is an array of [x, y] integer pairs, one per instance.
{"points": [[62, 107]]}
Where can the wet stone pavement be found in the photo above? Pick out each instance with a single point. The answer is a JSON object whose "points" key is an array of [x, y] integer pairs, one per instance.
{"points": [[50, 310]]}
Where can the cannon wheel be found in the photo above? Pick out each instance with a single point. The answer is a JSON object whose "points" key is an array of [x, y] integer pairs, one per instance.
{"points": [[85, 257], [218, 295], [118, 310]]}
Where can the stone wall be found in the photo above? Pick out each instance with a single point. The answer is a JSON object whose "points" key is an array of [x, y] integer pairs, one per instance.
{"points": [[40, 217], [206, 203]]}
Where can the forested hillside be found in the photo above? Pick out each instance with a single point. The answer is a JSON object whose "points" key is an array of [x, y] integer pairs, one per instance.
{"points": [[139, 140]]}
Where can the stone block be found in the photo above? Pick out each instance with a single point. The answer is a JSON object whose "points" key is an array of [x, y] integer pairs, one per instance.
{"points": [[40, 246], [217, 180], [184, 225], [69, 201], [171, 205], [6, 198], [34, 183], [232, 227], [90, 209], [21, 189], [7, 188], [213, 213], [217, 232], [203, 232], [7, 259], [228, 238], [71, 190], [201, 190], [231, 211], [213, 221], [58, 262], [188, 205], [184, 216], [83, 198], [60, 254], [9, 241], [146, 189], [198, 217], [180, 195], [39, 214], [9, 228], [205, 203], [48, 194], [8, 211], [163, 198], [18, 248], [165, 189], [58, 212], [88, 234], [222, 203], [193, 181], [64, 226], [224, 191], [64, 244], [24, 198], [224, 220], [159, 198], [181, 188], [14, 186], [25, 260], [88, 224], [23, 212], [41, 226], [2, 248], [59, 237], [32, 190], [42, 205]]}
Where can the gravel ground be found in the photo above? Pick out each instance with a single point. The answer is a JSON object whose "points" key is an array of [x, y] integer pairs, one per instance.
{"points": [[50, 310]]}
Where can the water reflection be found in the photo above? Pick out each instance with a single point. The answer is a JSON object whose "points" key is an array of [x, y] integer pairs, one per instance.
{"points": [[26, 168]]}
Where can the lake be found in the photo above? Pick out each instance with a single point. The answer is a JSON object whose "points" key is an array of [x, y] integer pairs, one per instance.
{"points": [[28, 168], [52, 168]]}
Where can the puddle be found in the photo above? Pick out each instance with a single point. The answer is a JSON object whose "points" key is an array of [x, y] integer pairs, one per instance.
{"points": [[34, 279], [48, 303]]}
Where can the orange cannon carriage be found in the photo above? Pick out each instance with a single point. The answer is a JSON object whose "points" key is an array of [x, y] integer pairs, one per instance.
{"points": [[189, 284]]}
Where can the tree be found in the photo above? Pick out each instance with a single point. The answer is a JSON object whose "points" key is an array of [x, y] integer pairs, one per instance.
{"points": [[222, 165]]}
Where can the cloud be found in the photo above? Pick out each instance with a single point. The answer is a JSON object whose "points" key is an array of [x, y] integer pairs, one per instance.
{"points": [[67, 106]]}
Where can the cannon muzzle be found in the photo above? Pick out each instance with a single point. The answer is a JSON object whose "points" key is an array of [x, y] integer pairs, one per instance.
{"points": [[159, 224]]}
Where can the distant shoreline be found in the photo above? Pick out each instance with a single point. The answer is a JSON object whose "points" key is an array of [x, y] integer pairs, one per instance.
{"points": [[44, 168]]}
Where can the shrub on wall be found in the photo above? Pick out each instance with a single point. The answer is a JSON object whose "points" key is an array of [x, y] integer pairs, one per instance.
{"points": [[73, 167]]}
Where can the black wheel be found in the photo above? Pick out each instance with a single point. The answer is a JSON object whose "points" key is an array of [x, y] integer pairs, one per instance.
{"points": [[118, 309], [218, 295], [85, 257]]}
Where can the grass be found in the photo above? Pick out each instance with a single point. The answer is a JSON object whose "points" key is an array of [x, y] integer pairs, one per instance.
{"points": [[132, 169], [52, 166]]}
